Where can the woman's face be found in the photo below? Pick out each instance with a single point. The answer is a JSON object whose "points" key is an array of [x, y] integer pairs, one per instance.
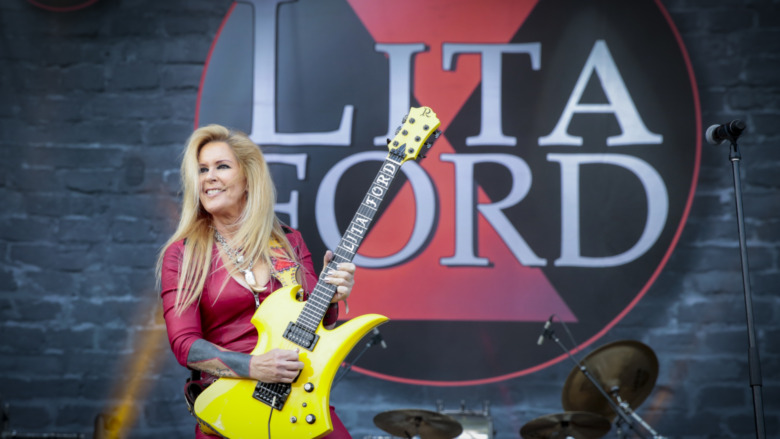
{"points": [[222, 184]]}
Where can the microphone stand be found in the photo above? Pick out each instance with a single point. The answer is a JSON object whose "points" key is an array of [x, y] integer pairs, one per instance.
{"points": [[376, 338], [754, 361], [618, 409]]}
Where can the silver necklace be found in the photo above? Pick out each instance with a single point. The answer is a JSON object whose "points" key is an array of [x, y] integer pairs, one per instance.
{"points": [[238, 259]]}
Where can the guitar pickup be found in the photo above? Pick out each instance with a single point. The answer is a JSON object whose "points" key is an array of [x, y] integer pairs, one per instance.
{"points": [[301, 336]]}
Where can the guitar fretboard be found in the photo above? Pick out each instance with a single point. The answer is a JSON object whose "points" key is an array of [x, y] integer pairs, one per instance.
{"points": [[315, 308]]}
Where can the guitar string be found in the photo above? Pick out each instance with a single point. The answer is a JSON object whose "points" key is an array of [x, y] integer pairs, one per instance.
{"points": [[316, 307], [309, 317], [319, 300]]}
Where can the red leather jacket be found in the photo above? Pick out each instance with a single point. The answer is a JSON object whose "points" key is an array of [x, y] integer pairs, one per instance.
{"points": [[223, 318]]}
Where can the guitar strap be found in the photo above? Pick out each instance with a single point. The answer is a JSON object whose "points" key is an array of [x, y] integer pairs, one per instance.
{"points": [[284, 270]]}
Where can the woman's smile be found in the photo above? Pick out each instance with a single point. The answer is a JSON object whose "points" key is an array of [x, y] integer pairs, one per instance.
{"points": [[223, 186]]}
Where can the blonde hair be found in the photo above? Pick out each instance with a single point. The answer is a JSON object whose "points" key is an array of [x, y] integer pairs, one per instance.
{"points": [[256, 226]]}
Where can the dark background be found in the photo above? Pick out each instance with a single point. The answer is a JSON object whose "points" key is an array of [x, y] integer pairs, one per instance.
{"points": [[94, 107]]}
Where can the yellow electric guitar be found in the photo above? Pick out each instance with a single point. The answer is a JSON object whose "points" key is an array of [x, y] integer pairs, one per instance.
{"points": [[248, 409]]}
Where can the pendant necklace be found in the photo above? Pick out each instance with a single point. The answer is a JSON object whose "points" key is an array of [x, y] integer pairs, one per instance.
{"points": [[238, 260]]}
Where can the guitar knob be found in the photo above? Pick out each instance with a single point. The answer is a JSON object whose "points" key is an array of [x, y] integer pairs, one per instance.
{"points": [[311, 419], [309, 387]]}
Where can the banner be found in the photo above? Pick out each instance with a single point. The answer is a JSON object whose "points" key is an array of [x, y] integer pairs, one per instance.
{"points": [[560, 186]]}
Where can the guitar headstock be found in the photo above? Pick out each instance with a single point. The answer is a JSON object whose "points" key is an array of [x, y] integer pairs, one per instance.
{"points": [[416, 135]]}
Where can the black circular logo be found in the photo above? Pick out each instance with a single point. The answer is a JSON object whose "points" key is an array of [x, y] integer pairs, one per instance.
{"points": [[560, 186]]}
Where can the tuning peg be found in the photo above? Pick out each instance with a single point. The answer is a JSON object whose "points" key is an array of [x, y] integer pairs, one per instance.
{"points": [[436, 134], [425, 148], [397, 130]]}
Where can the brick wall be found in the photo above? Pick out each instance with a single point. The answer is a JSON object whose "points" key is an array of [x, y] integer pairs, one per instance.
{"points": [[94, 105]]}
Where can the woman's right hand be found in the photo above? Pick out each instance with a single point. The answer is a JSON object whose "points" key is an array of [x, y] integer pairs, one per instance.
{"points": [[275, 366]]}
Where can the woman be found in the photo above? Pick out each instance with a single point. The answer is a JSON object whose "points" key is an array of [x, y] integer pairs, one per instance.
{"points": [[220, 263]]}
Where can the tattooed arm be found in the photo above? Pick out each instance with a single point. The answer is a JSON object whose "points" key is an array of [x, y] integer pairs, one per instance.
{"points": [[185, 336], [274, 366]]}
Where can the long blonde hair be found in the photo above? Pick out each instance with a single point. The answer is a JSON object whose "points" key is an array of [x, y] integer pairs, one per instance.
{"points": [[257, 224]]}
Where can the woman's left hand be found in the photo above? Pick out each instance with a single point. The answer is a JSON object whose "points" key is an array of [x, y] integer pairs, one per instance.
{"points": [[343, 277]]}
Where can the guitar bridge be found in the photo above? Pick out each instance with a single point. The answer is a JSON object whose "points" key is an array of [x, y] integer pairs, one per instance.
{"points": [[272, 394], [301, 336]]}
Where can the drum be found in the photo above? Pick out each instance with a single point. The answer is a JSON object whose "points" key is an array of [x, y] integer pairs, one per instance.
{"points": [[475, 425]]}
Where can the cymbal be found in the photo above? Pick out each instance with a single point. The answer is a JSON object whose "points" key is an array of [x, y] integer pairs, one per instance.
{"points": [[628, 365], [412, 422], [579, 425]]}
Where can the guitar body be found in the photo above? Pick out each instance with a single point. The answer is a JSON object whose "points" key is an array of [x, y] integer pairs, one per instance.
{"points": [[228, 407]]}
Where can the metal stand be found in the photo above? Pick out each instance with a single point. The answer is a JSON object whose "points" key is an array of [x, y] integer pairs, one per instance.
{"points": [[375, 339], [624, 405], [753, 359], [626, 416]]}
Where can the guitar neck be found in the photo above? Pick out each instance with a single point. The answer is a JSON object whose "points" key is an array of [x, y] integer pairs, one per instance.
{"points": [[319, 300]]}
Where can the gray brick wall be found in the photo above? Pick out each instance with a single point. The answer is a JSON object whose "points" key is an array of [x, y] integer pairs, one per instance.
{"points": [[94, 105]]}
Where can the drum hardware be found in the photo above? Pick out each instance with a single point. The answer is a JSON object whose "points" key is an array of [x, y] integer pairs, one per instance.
{"points": [[476, 425], [408, 423], [578, 425], [485, 407], [629, 366], [625, 406]]}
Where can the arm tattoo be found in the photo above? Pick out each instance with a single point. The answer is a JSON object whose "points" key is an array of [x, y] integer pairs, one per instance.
{"points": [[212, 359]]}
